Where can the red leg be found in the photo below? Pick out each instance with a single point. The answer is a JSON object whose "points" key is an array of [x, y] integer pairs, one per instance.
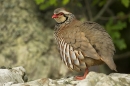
{"points": [[82, 77]]}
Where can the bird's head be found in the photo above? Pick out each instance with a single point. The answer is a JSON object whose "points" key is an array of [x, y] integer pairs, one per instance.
{"points": [[61, 15]]}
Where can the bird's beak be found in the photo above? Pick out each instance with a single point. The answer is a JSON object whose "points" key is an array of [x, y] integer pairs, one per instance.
{"points": [[54, 16]]}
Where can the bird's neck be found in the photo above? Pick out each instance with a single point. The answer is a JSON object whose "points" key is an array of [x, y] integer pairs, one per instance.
{"points": [[69, 18]]}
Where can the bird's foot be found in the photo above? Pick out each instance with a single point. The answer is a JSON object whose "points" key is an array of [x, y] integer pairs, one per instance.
{"points": [[82, 77], [79, 77]]}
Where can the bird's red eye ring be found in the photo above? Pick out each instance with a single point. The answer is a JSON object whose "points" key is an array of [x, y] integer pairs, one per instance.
{"points": [[56, 15], [60, 13]]}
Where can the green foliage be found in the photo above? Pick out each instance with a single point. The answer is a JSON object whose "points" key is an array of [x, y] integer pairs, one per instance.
{"points": [[114, 30], [64, 2], [102, 2], [129, 18], [39, 1], [99, 2], [126, 3], [44, 4]]}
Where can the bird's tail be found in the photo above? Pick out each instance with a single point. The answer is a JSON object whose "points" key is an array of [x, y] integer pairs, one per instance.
{"points": [[110, 63]]}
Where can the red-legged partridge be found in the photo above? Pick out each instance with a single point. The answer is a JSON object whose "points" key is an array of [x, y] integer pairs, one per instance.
{"points": [[82, 44]]}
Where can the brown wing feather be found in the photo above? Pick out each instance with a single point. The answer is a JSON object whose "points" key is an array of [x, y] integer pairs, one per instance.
{"points": [[101, 42], [92, 40], [74, 36]]}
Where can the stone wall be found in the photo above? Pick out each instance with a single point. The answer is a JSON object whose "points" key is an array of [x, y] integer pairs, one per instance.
{"points": [[25, 41]]}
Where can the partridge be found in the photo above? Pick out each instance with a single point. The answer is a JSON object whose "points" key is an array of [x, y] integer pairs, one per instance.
{"points": [[82, 44]]}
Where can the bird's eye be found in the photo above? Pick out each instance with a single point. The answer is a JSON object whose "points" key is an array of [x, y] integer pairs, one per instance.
{"points": [[60, 13]]}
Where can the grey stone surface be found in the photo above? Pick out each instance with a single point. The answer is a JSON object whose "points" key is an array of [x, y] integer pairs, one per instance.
{"points": [[12, 75], [92, 79], [95, 79]]}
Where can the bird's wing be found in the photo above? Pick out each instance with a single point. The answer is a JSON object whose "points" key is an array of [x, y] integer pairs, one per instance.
{"points": [[75, 36], [92, 41], [101, 42]]}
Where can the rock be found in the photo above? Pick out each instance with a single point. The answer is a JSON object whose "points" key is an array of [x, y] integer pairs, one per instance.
{"points": [[100, 79], [92, 79], [12, 75], [95, 79], [24, 40]]}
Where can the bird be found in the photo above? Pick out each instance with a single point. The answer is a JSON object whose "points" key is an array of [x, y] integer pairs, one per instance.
{"points": [[82, 44]]}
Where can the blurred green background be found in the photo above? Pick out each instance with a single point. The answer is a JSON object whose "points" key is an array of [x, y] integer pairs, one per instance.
{"points": [[26, 33]]}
